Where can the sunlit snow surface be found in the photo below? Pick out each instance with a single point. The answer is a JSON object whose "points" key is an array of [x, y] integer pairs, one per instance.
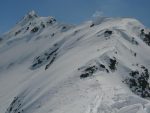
{"points": [[40, 69]]}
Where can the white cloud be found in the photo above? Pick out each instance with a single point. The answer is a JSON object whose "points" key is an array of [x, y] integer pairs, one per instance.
{"points": [[97, 17], [97, 14]]}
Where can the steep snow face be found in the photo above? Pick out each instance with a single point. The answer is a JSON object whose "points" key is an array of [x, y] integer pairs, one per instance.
{"points": [[100, 66]]}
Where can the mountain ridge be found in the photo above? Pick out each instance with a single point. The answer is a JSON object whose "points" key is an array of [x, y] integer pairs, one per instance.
{"points": [[98, 66]]}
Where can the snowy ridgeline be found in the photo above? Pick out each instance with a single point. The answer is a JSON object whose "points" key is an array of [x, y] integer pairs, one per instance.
{"points": [[100, 66]]}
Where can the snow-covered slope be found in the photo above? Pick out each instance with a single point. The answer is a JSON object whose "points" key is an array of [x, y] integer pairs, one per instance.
{"points": [[100, 66]]}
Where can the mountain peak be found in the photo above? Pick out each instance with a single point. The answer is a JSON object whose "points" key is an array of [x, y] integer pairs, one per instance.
{"points": [[30, 15], [98, 66], [32, 12]]}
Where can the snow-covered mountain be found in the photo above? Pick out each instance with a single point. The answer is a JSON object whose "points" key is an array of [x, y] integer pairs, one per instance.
{"points": [[100, 66]]}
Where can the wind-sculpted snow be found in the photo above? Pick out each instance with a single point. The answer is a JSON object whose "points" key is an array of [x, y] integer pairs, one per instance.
{"points": [[100, 66]]}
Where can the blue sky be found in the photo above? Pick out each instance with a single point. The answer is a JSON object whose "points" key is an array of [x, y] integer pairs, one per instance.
{"points": [[72, 11]]}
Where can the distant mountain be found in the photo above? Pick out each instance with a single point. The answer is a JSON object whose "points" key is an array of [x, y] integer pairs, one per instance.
{"points": [[100, 66]]}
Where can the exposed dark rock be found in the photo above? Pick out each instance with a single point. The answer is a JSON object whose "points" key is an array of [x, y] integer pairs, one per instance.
{"points": [[107, 33], [75, 32], [142, 32], [84, 75], [17, 32], [39, 61], [30, 16], [47, 56], [101, 65], [51, 21], [135, 54], [55, 44], [92, 25], [52, 34], [134, 73], [89, 71], [51, 61], [27, 28], [43, 25], [138, 82], [134, 41], [113, 64], [64, 27], [15, 106], [146, 38], [35, 29]]}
